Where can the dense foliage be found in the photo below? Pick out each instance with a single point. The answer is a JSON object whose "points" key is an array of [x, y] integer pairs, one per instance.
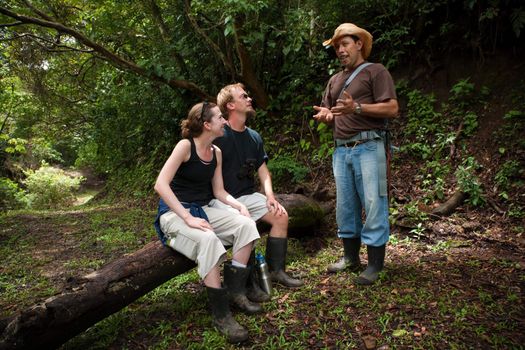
{"points": [[106, 83]]}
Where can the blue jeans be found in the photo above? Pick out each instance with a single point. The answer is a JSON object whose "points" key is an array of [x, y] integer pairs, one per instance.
{"points": [[357, 181]]}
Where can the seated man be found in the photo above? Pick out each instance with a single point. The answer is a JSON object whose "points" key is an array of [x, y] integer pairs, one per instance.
{"points": [[243, 154]]}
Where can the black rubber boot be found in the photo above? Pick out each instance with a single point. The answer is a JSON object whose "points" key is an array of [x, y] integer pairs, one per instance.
{"points": [[350, 261], [276, 257], [253, 289], [376, 260], [235, 280], [222, 317]]}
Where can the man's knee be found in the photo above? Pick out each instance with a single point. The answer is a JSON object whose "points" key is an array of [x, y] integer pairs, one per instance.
{"points": [[276, 221]]}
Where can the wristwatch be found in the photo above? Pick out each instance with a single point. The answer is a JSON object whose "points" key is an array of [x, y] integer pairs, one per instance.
{"points": [[357, 108]]}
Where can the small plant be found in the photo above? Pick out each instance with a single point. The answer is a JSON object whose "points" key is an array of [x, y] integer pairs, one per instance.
{"points": [[14, 145], [516, 211], [422, 149], [418, 231], [422, 116], [514, 115], [470, 123], [414, 214], [468, 182], [50, 187], [434, 181], [462, 93], [325, 140], [11, 196], [504, 177], [440, 246]]}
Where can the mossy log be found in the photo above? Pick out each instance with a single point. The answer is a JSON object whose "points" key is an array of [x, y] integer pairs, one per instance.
{"points": [[101, 293]]}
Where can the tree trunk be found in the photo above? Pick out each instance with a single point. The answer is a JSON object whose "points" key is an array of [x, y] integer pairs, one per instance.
{"points": [[95, 296]]}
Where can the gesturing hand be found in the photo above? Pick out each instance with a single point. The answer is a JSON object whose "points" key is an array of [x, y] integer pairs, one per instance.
{"points": [[345, 105], [324, 114]]}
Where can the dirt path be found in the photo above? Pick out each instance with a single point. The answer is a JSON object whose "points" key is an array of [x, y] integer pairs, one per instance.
{"points": [[89, 188]]}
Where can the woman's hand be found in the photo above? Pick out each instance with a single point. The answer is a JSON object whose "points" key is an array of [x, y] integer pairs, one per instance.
{"points": [[198, 223]]}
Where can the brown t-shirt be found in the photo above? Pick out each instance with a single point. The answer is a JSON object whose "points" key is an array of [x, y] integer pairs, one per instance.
{"points": [[372, 85]]}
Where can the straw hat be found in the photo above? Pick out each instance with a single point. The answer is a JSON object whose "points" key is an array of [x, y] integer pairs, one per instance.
{"points": [[352, 29]]}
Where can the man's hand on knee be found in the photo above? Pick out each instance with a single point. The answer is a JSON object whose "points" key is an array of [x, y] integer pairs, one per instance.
{"points": [[275, 207]]}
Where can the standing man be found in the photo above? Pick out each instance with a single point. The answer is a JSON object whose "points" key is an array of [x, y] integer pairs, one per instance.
{"points": [[358, 101], [243, 155]]}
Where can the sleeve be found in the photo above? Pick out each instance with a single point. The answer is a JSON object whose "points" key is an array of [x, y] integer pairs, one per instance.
{"points": [[383, 87], [262, 157], [327, 98]]}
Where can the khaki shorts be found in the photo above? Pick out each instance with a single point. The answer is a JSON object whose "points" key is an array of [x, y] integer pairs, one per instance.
{"points": [[206, 248], [255, 202]]}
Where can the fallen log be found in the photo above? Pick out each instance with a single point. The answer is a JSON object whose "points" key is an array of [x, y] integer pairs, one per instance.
{"points": [[451, 204], [101, 293]]}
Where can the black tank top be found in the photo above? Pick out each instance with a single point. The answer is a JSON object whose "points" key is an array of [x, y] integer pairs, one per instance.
{"points": [[192, 182]]}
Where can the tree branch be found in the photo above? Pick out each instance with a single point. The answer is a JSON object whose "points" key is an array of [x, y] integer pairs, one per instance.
{"points": [[165, 34], [52, 43], [159, 21], [37, 11], [114, 59], [5, 25], [4, 123], [227, 63], [247, 71]]}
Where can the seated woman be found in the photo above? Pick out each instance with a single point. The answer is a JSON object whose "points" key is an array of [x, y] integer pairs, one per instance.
{"points": [[189, 179]]}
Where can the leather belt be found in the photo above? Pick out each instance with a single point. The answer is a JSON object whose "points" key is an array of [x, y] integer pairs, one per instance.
{"points": [[351, 144]]}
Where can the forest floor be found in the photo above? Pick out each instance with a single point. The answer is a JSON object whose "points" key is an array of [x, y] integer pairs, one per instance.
{"points": [[459, 284]]}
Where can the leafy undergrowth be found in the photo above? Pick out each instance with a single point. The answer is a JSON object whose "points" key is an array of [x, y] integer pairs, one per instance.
{"points": [[460, 285]]}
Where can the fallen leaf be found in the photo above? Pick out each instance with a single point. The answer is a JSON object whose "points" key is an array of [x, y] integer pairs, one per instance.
{"points": [[399, 333], [284, 298], [369, 341]]}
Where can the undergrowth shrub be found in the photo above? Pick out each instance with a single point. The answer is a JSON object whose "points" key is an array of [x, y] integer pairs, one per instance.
{"points": [[326, 148], [507, 176], [435, 131], [286, 170], [50, 187], [134, 183], [11, 196], [468, 182]]}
